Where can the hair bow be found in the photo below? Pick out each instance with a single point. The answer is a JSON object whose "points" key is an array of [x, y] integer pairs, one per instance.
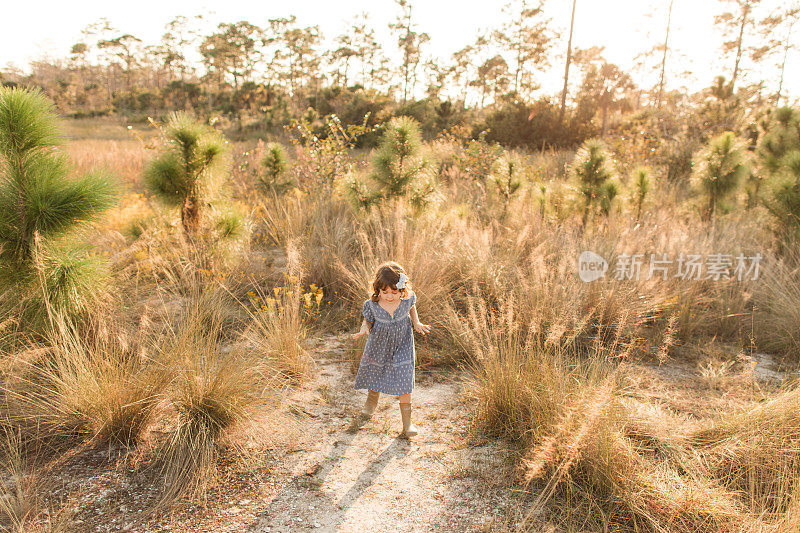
{"points": [[402, 283]]}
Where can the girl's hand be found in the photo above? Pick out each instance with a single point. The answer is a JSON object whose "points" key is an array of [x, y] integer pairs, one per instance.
{"points": [[419, 327], [363, 331]]}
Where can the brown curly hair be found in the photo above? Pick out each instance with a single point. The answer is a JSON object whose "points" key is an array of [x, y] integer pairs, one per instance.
{"points": [[386, 277]]}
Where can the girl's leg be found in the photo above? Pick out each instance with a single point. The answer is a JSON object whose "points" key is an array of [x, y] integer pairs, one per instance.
{"points": [[404, 398]]}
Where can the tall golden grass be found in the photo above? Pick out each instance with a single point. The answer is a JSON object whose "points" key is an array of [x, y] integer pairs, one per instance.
{"points": [[124, 157], [22, 509], [777, 300], [278, 327], [549, 355], [451, 254], [80, 386], [563, 410], [756, 453], [212, 392]]}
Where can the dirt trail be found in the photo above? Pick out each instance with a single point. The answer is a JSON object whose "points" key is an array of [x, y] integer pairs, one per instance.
{"points": [[328, 474], [350, 478]]}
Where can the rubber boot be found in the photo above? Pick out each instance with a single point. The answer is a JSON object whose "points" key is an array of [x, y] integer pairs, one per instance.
{"points": [[409, 429], [370, 404]]}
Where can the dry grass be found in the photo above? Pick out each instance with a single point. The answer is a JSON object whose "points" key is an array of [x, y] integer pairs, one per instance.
{"points": [[18, 501], [507, 404], [101, 387], [451, 255], [756, 453], [549, 353], [340, 249], [107, 129], [22, 509], [600, 476], [124, 158], [778, 306], [278, 326], [214, 391], [160, 258], [594, 461]]}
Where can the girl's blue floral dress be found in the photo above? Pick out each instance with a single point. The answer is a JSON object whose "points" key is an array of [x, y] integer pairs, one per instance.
{"points": [[387, 364]]}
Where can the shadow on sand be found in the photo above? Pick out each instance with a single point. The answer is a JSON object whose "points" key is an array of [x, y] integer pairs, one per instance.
{"points": [[331, 513]]}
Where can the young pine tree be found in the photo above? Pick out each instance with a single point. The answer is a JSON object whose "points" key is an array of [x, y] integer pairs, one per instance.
{"points": [[608, 192], [40, 201], [274, 163], [641, 181], [399, 169], [783, 197], [779, 162], [718, 169], [193, 164], [504, 181], [752, 187], [781, 138], [542, 200], [594, 170]]}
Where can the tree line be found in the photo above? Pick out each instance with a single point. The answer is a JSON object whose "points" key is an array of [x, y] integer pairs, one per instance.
{"points": [[263, 77]]}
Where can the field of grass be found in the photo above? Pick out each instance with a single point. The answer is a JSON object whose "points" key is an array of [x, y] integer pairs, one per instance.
{"points": [[620, 405]]}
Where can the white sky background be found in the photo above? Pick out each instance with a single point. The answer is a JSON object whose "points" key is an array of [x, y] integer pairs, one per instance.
{"points": [[624, 27]]}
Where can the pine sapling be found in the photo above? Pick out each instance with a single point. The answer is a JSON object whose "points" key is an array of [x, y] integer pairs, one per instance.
{"points": [[274, 162], [192, 165], [718, 169], [505, 181], [399, 169], [641, 180], [593, 167], [39, 202]]}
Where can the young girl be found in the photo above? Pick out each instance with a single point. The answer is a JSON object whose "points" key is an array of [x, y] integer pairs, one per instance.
{"points": [[387, 364]]}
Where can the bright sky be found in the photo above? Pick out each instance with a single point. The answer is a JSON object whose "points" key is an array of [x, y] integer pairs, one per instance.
{"points": [[625, 27]]}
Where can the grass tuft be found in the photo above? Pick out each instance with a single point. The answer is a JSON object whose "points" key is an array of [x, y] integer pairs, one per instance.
{"points": [[213, 391]]}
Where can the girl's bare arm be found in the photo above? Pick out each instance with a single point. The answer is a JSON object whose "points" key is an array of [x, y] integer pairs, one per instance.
{"points": [[413, 313], [365, 327], [418, 326]]}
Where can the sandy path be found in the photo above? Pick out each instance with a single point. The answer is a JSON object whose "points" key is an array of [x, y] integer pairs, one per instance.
{"points": [[350, 478], [327, 474]]}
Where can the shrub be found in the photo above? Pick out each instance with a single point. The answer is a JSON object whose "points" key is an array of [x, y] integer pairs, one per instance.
{"points": [[40, 202], [399, 169], [356, 107], [504, 180], [718, 169], [274, 164], [536, 125], [779, 157], [594, 171], [479, 157], [325, 155], [191, 167], [781, 138], [783, 197]]}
